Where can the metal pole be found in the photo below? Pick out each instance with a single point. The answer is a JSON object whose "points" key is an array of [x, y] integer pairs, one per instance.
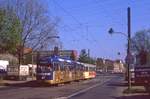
{"points": [[32, 67], [128, 50]]}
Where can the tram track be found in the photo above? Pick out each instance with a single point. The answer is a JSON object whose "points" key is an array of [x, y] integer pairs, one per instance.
{"points": [[85, 89], [11, 92]]}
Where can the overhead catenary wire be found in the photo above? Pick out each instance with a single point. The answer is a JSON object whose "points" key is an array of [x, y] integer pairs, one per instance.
{"points": [[72, 16], [84, 37], [65, 11], [67, 27]]}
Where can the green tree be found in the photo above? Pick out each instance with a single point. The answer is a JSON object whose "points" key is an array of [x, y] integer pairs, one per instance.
{"points": [[100, 63], [10, 28], [141, 40], [83, 57], [91, 60], [73, 55], [38, 28]]}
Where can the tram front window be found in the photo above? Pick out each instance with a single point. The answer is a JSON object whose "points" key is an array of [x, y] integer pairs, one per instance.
{"points": [[44, 68]]}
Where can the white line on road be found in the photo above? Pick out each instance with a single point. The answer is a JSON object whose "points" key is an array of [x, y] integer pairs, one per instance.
{"points": [[84, 90]]}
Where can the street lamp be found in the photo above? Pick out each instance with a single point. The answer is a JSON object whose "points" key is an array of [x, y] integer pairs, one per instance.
{"points": [[128, 57], [111, 31]]}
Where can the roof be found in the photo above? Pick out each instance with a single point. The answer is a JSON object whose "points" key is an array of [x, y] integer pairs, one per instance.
{"points": [[54, 59]]}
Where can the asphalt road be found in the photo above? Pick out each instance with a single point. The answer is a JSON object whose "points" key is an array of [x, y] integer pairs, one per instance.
{"points": [[33, 91], [107, 90]]}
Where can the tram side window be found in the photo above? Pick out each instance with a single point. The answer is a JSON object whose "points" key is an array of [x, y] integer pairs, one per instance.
{"points": [[92, 69], [89, 68], [82, 68], [86, 68], [79, 67], [65, 68], [68, 69], [62, 67], [76, 68], [38, 69], [56, 66], [71, 67]]}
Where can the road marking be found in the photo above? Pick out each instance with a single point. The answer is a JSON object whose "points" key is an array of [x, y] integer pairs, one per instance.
{"points": [[61, 98], [84, 90]]}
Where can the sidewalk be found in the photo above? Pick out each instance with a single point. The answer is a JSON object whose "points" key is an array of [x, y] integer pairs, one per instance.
{"points": [[137, 92], [6, 83]]}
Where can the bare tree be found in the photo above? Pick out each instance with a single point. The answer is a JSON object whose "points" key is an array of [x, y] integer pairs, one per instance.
{"points": [[37, 26], [141, 40]]}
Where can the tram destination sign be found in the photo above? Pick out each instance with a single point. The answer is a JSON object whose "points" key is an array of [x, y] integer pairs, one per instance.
{"points": [[142, 74]]}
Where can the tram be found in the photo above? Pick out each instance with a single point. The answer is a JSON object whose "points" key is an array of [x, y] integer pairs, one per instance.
{"points": [[55, 70], [89, 71]]}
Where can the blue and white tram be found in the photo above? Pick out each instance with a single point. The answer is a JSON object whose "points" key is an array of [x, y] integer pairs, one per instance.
{"points": [[54, 70]]}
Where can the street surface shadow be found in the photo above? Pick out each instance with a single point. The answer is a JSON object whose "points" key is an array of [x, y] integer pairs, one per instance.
{"points": [[30, 84], [117, 84], [133, 97], [122, 84], [135, 89]]}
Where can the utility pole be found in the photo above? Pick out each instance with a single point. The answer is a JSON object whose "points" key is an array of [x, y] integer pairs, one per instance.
{"points": [[129, 57], [129, 44]]}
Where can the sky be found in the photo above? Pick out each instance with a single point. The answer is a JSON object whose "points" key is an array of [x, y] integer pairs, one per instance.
{"points": [[84, 24]]}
